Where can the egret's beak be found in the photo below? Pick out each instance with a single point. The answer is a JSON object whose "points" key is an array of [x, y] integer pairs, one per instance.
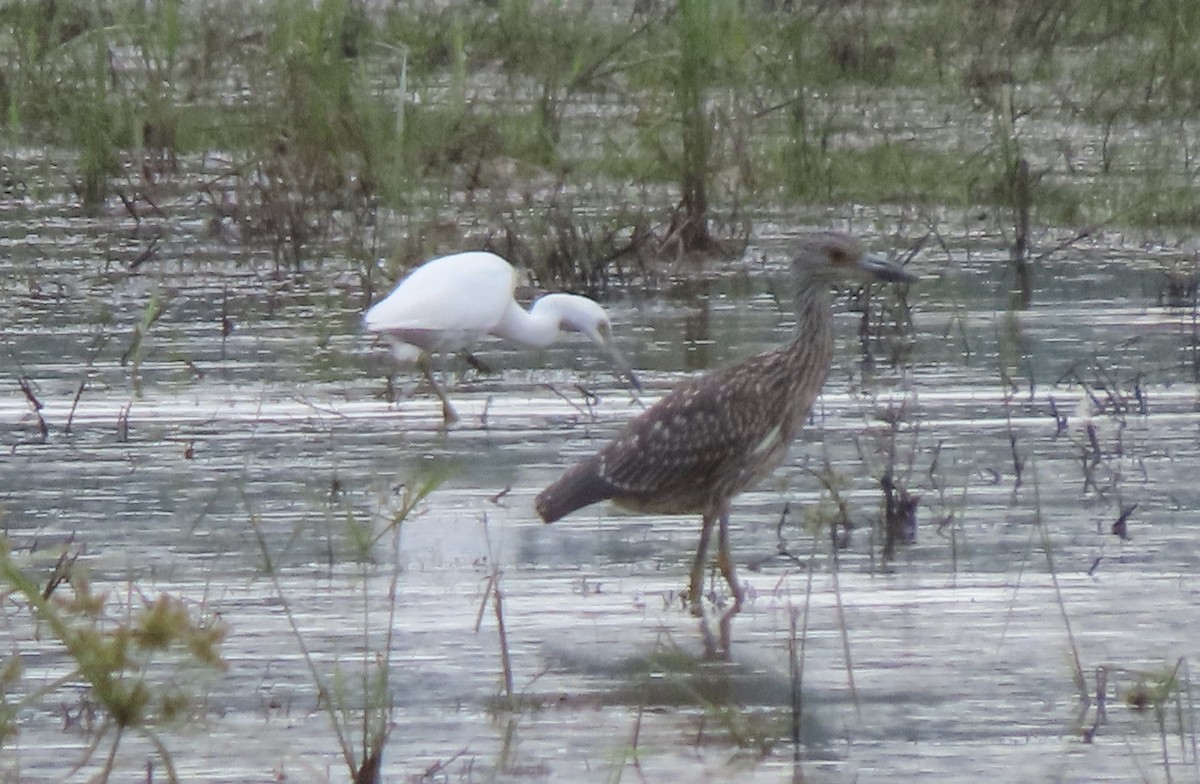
{"points": [[885, 269], [621, 367]]}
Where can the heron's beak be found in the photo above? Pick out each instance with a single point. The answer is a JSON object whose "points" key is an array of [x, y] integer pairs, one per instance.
{"points": [[885, 269]]}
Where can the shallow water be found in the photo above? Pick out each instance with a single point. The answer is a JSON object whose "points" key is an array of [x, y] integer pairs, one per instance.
{"points": [[955, 662]]}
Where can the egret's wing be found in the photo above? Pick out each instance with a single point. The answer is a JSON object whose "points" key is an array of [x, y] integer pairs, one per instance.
{"points": [[452, 300]]}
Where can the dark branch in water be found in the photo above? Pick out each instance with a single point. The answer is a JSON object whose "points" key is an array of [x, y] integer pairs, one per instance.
{"points": [[150, 252], [1121, 526], [27, 390]]}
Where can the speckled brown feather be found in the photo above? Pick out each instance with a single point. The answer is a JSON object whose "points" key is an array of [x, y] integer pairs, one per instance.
{"points": [[720, 433], [706, 441]]}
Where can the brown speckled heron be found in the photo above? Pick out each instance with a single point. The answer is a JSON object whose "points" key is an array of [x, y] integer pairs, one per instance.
{"points": [[720, 433]]}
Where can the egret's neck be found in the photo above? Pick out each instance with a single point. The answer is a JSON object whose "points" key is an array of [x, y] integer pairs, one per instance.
{"points": [[537, 329]]}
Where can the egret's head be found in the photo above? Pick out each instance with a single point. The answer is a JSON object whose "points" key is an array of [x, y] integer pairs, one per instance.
{"points": [[834, 256], [583, 315]]}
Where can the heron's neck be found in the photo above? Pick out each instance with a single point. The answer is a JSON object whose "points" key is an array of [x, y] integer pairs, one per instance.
{"points": [[814, 320], [536, 329]]}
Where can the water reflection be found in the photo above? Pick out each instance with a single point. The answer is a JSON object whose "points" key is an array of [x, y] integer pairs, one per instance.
{"points": [[697, 329], [718, 645]]}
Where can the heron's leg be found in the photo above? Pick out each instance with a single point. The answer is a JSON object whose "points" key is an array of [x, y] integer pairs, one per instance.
{"points": [[449, 415], [717, 646], [725, 561], [475, 362], [696, 585]]}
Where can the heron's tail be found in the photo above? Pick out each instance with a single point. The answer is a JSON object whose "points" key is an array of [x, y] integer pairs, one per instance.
{"points": [[580, 486]]}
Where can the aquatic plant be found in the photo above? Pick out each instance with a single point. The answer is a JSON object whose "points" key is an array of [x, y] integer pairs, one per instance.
{"points": [[326, 111], [698, 33], [710, 35], [329, 129], [139, 663], [358, 702], [11, 699]]}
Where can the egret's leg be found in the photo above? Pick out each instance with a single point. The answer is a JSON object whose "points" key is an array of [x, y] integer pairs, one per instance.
{"points": [[475, 362], [696, 584], [449, 415], [388, 392], [725, 561]]}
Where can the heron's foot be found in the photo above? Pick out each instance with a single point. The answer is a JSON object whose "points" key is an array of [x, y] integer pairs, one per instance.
{"points": [[694, 601], [738, 596], [736, 589]]}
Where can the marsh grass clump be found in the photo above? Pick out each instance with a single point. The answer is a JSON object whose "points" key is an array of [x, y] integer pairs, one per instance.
{"points": [[307, 107], [11, 670], [1178, 283], [328, 128], [355, 693], [1163, 694], [324, 126], [392, 511], [141, 664], [1152, 690], [587, 250], [831, 515], [101, 81]]}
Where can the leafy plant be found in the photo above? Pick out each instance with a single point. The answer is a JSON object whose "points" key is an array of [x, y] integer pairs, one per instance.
{"points": [[139, 668], [361, 700]]}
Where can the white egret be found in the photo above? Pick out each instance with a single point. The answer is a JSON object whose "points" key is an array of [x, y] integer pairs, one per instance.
{"points": [[448, 303]]}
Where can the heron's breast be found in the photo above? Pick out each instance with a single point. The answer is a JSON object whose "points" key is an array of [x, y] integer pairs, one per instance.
{"points": [[665, 503]]}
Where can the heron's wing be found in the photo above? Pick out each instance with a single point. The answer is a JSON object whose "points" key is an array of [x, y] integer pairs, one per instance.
{"points": [[464, 294], [710, 432]]}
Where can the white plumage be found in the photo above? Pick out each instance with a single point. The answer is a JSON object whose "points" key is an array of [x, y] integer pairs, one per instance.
{"points": [[451, 302]]}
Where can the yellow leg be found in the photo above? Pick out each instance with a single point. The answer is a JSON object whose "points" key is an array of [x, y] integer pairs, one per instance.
{"points": [[696, 584], [475, 361], [449, 415], [725, 561]]}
